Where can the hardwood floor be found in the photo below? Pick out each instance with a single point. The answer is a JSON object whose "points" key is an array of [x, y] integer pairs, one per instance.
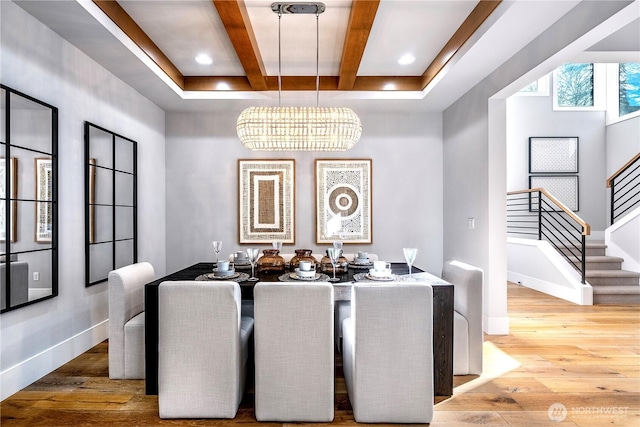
{"points": [[580, 364]]}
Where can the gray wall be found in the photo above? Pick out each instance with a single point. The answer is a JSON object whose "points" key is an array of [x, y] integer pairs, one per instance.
{"points": [[623, 142], [534, 116], [202, 190], [38, 338]]}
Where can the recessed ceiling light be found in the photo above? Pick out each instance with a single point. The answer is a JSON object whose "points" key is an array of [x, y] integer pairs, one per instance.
{"points": [[223, 86], [204, 59], [389, 86], [406, 59]]}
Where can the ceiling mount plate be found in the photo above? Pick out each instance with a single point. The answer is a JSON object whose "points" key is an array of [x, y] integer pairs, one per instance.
{"points": [[298, 8]]}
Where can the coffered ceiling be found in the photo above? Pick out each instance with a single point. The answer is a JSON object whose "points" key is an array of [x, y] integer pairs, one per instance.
{"points": [[152, 45]]}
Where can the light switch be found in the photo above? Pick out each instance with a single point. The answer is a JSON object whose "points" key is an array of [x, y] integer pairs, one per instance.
{"points": [[471, 223]]}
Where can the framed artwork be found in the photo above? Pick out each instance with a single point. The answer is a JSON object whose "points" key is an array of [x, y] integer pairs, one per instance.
{"points": [[343, 200], [13, 194], [553, 154], [563, 188], [44, 200], [266, 200]]}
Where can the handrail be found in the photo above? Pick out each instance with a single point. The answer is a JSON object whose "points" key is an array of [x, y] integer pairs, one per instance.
{"points": [[625, 188], [536, 212], [586, 228], [622, 169]]}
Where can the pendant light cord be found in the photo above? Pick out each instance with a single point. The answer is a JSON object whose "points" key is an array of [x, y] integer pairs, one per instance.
{"points": [[317, 58], [279, 61]]}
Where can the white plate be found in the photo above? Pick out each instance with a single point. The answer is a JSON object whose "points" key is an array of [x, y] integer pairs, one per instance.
{"points": [[295, 276], [224, 273], [380, 278], [214, 276], [305, 274], [363, 261], [381, 274]]}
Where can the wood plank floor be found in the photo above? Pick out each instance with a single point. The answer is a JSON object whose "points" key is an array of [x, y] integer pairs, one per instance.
{"points": [[578, 364]]}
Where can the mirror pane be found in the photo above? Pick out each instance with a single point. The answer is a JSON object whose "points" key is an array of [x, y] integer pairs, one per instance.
{"points": [[124, 189], [124, 223], [103, 224], [31, 124], [100, 259], [124, 253], [103, 186], [101, 147], [3, 115], [40, 273], [33, 229], [124, 155]]}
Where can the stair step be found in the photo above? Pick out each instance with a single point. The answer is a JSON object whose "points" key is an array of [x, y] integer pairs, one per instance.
{"points": [[616, 294], [600, 262], [612, 278], [591, 249]]}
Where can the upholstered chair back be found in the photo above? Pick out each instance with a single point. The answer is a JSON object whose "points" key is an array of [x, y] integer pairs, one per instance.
{"points": [[387, 352], [203, 349], [467, 281], [294, 352], [126, 302]]}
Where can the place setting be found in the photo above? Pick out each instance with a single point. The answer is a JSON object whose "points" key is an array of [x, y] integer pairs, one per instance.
{"points": [[381, 272], [305, 272], [361, 261], [241, 260], [225, 270]]}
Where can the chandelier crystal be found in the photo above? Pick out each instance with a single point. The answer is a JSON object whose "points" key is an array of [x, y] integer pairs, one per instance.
{"points": [[299, 128]]}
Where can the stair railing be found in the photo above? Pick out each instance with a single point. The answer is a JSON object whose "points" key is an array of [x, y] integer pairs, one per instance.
{"points": [[625, 188], [538, 214]]}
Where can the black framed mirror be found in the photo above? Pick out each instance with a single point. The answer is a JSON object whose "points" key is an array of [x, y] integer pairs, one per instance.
{"points": [[28, 200], [111, 226]]}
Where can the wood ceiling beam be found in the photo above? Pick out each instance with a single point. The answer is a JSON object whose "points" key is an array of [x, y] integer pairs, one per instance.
{"points": [[478, 15], [363, 13], [119, 16], [297, 83], [236, 22]]}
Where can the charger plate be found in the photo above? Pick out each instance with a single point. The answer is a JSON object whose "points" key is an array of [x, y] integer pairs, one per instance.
{"points": [[237, 277], [292, 277]]}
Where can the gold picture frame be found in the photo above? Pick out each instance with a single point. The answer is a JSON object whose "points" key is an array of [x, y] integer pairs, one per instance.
{"points": [[343, 200], [13, 194], [44, 200], [266, 200]]}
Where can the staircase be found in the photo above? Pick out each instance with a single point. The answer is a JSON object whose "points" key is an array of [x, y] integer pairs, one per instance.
{"points": [[611, 284]]}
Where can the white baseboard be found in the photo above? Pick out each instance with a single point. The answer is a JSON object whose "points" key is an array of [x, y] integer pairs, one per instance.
{"points": [[495, 325], [19, 376]]}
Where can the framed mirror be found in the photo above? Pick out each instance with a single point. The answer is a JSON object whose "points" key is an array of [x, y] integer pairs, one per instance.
{"points": [[111, 226], [28, 200]]}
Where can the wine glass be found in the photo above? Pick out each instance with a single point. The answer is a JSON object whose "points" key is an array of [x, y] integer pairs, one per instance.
{"points": [[334, 255], [217, 247], [337, 244], [410, 256], [277, 244], [253, 254]]}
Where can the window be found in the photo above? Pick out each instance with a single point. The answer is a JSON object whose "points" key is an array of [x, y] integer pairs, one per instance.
{"points": [[579, 87], [538, 87], [628, 88]]}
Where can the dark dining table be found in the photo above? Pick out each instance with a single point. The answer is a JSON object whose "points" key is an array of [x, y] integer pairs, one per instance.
{"points": [[442, 317]]}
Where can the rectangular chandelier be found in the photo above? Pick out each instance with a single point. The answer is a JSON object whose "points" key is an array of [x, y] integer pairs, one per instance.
{"points": [[299, 128]]}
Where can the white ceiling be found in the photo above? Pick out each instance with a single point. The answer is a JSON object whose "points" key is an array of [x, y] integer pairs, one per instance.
{"points": [[184, 28]]}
